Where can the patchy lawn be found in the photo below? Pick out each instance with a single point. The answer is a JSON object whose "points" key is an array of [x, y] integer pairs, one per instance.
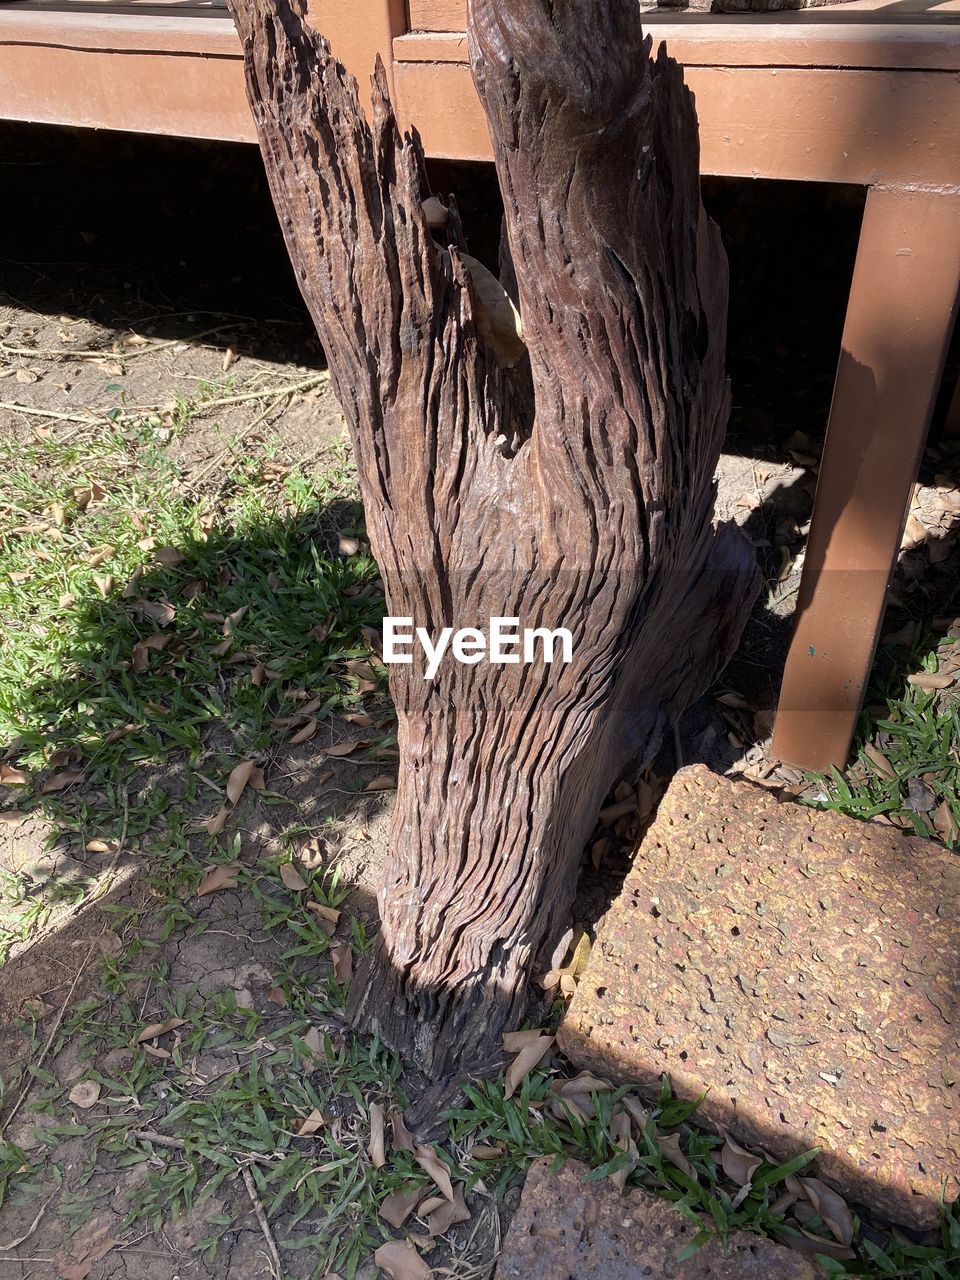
{"points": [[196, 756]]}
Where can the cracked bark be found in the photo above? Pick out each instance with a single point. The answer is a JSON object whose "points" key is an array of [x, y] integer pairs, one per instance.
{"points": [[575, 489]]}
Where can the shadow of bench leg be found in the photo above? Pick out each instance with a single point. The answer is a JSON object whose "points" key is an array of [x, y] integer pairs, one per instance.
{"points": [[900, 316]]}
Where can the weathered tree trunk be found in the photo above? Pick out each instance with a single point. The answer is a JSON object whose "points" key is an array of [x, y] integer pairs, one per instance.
{"points": [[572, 490]]}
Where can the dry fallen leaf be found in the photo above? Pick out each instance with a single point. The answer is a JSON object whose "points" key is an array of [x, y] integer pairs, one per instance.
{"points": [[169, 557], [84, 1094], [161, 611], [346, 748], [448, 1214], [524, 1063], [383, 782], [360, 718], [220, 877], [308, 731], [277, 995], [60, 781], [831, 1207], [428, 1160], [401, 1261], [216, 824], [101, 846], [349, 546], [11, 777], [313, 1123], [291, 877], [327, 917], [160, 1029], [621, 1135], [879, 761], [342, 958], [929, 680], [398, 1206], [670, 1150], [402, 1137], [377, 1146], [738, 1164], [239, 777], [26, 376], [488, 1151], [945, 822]]}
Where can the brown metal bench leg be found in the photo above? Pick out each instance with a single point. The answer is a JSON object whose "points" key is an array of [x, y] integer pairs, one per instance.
{"points": [[900, 316]]}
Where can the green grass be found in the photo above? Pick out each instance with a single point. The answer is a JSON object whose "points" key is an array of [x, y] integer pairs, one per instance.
{"points": [[147, 745], [906, 735]]}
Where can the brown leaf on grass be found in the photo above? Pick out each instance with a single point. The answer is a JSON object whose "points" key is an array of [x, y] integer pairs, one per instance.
{"points": [[360, 719], [428, 1160], [232, 620], [217, 878], [377, 1147], [398, 1206], [738, 1163], [84, 1094], [621, 1135], [326, 917], [638, 1113], [383, 782], [349, 546], [308, 731], [945, 822], [401, 1261], [930, 680], [131, 588], [807, 1243], [669, 1148], [11, 777], [215, 825], [239, 777], [161, 611], [441, 1219], [313, 1042], [312, 1124], [101, 846], [347, 748], [169, 557], [879, 761], [525, 1061], [104, 583], [19, 576], [160, 1029], [488, 1151], [277, 995], [585, 1082], [193, 589], [831, 1207], [342, 958], [83, 497], [291, 877], [514, 1041], [223, 648], [402, 1137], [60, 781], [257, 674], [366, 675]]}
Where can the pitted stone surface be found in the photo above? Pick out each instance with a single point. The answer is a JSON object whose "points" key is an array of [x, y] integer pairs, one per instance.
{"points": [[802, 967], [568, 1229]]}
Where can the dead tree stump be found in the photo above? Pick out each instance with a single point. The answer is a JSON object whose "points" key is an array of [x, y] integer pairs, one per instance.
{"points": [[565, 480]]}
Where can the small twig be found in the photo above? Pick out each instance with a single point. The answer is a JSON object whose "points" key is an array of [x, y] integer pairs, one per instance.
{"points": [[5, 1248], [50, 1039], [147, 349], [158, 1139], [87, 420], [262, 1219]]}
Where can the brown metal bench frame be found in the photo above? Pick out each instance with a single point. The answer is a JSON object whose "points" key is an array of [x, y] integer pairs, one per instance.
{"points": [[841, 97]]}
